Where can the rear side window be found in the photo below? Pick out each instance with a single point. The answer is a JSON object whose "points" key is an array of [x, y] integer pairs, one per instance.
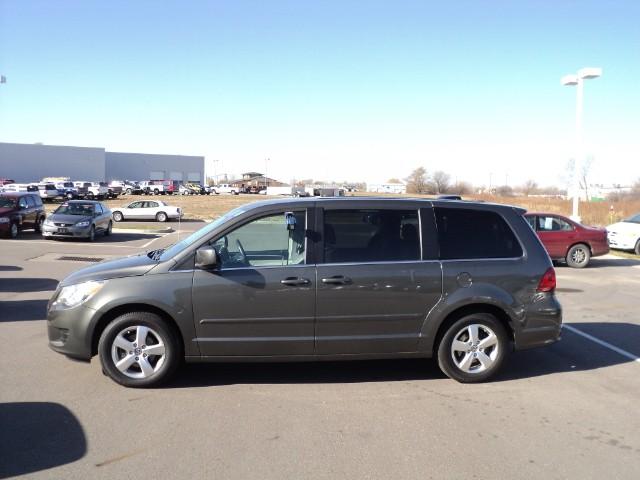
{"points": [[469, 234], [30, 201], [37, 200], [371, 235]]}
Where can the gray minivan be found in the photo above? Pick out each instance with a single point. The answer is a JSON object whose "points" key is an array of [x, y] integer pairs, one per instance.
{"points": [[316, 279]]}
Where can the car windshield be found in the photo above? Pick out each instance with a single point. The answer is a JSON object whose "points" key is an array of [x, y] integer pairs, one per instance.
{"points": [[83, 209], [7, 202], [633, 219], [176, 248]]}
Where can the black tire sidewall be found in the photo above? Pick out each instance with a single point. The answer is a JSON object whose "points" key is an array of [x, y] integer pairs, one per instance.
{"points": [[147, 319], [637, 249], [573, 264], [107, 232], [14, 230], [445, 361]]}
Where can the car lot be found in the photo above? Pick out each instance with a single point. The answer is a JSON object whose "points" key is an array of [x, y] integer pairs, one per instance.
{"points": [[566, 411]]}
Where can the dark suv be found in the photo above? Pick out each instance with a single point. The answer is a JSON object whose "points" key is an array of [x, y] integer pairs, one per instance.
{"points": [[20, 211], [301, 279]]}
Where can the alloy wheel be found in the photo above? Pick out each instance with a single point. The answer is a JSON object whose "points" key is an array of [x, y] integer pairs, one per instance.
{"points": [[475, 348], [138, 351]]}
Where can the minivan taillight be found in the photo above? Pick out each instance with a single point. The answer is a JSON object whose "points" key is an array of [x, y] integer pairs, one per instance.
{"points": [[548, 281]]}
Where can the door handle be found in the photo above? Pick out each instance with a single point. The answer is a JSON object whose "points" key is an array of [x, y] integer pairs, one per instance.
{"points": [[295, 281], [336, 280]]}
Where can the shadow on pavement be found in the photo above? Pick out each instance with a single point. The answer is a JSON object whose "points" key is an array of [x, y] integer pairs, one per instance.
{"points": [[23, 310], [115, 237], [10, 268], [21, 285], [572, 354], [37, 436]]}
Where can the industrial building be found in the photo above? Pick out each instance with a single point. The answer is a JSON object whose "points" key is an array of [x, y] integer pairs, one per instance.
{"points": [[26, 163]]}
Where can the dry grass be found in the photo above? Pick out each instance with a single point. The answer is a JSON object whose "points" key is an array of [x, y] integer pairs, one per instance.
{"points": [[204, 207]]}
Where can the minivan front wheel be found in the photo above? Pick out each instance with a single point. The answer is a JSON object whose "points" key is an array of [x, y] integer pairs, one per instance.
{"points": [[138, 349], [473, 348]]}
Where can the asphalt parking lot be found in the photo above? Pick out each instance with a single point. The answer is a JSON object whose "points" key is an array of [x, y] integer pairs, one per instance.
{"points": [[566, 411]]}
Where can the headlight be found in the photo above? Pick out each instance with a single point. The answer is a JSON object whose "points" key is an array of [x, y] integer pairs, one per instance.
{"points": [[4, 219], [74, 295], [84, 223], [48, 222]]}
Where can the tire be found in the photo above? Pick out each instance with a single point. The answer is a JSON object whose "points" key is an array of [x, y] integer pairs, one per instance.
{"points": [[107, 232], [38, 227], [156, 191], [161, 217], [466, 365], [578, 256], [233, 192], [637, 249], [148, 370], [90, 196], [128, 191], [117, 216], [69, 196], [92, 234], [13, 230]]}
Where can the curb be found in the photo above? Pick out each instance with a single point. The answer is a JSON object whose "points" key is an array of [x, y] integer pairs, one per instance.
{"points": [[143, 230]]}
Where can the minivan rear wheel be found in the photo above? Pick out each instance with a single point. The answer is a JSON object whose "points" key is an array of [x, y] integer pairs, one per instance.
{"points": [[578, 256], [138, 349], [473, 348]]}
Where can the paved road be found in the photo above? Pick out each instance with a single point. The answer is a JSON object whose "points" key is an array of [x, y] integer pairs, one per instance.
{"points": [[567, 411]]}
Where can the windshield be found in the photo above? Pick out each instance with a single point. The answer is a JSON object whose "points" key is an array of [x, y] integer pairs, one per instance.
{"points": [[82, 209], [176, 248], [633, 219], [6, 202]]}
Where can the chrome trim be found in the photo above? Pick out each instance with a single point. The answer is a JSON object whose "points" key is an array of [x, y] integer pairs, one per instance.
{"points": [[205, 321]]}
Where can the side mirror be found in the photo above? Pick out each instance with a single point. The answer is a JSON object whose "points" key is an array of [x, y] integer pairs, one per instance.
{"points": [[206, 258]]}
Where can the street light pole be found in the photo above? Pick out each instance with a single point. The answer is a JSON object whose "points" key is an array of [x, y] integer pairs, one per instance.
{"points": [[577, 80]]}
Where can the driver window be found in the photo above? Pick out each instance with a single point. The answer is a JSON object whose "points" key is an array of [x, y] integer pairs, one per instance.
{"points": [[264, 242]]}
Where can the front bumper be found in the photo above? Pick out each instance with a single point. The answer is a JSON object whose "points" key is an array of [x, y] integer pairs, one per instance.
{"points": [[622, 243], [70, 331], [66, 232]]}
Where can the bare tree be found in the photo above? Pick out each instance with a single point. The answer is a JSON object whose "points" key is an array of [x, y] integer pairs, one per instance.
{"points": [[584, 176], [461, 188], [440, 181], [394, 180], [417, 181], [529, 187], [504, 191]]}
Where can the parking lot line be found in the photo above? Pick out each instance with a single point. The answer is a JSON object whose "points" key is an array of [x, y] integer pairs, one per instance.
{"points": [[618, 350]]}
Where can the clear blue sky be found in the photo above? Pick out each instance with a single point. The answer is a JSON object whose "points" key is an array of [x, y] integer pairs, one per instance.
{"points": [[328, 89]]}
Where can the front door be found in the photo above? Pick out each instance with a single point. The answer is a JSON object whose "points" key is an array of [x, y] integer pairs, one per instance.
{"points": [[556, 235], [261, 298], [374, 289]]}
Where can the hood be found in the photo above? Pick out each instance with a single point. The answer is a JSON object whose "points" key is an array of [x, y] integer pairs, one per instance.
{"points": [[120, 267], [624, 227], [5, 210], [63, 218]]}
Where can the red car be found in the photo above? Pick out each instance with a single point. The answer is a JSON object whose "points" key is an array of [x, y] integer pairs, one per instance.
{"points": [[567, 240]]}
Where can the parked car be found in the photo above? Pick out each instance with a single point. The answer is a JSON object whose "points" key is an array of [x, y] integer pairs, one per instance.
{"points": [[197, 189], [114, 188], [319, 279], [225, 188], [68, 190], [91, 190], [132, 188], [625, 235], [20, 211], [147, 210], [20, 187], [78, 219], [48, 192], [568, 241], [184, 190]]}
